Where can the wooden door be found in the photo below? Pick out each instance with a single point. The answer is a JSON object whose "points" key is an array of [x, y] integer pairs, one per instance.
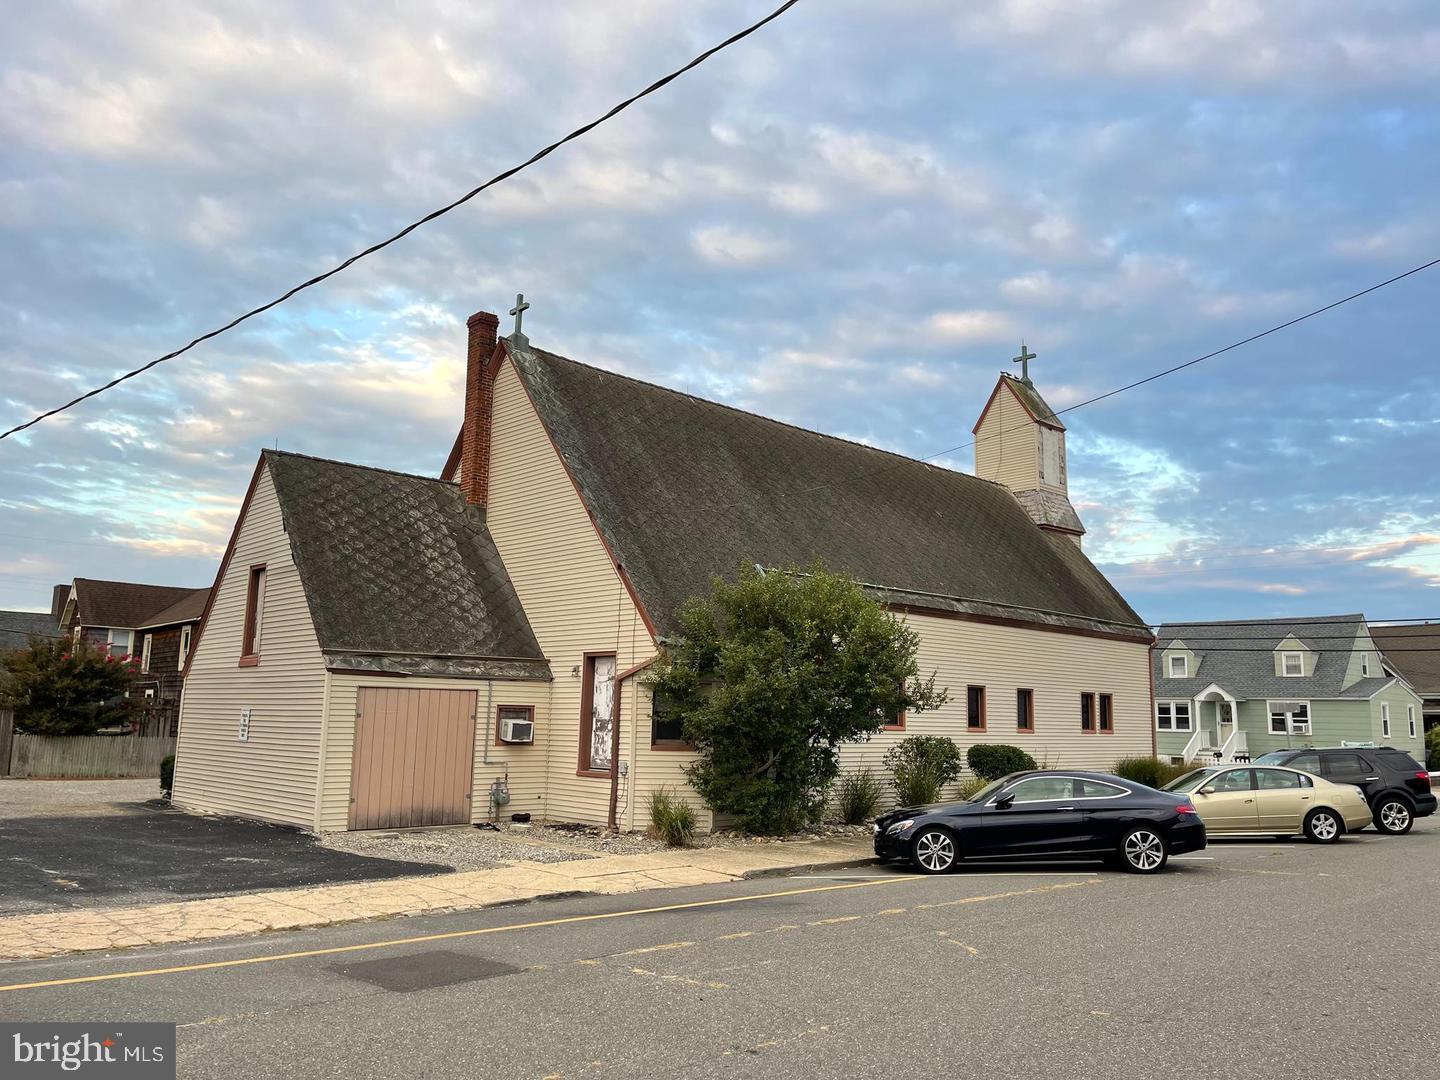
{"points": [[414, 758]]}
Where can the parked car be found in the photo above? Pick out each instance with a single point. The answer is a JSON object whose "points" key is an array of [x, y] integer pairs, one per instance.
{"points": [[1396, 786], [1045, 815], [1272, 801]]}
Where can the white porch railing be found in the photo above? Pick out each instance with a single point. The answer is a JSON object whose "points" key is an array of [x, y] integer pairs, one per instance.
{"points": [[1235, 745], [1192, 748]]}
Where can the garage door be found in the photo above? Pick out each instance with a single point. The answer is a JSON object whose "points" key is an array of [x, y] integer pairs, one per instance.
{"points": [[414, 758]]}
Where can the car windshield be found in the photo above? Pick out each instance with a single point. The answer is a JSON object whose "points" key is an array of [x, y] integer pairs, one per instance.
{"points": [[1190, 781], [1275, 757], [988, 790]]}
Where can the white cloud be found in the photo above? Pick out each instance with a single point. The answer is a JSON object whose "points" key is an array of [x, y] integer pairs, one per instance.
{"points": [[731, 245], [970, 327]]}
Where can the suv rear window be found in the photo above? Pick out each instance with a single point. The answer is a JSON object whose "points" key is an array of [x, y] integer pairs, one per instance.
{"points": [[1398, 759]]}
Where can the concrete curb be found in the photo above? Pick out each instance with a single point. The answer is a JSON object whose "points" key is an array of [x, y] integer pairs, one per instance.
{"points": [[807, 868]]}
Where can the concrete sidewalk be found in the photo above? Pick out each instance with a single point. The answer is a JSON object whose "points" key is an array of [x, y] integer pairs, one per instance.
{"points": [[27, 937]]}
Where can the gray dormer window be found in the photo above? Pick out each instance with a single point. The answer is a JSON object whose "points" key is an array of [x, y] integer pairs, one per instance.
{"points": [[1179, 666], [1292, 664]]}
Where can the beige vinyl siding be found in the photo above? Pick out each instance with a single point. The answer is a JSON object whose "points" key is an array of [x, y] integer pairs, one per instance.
{"points": [[272, 775], [654, 769], [522, 765], [1007, 445], [572, 594], [1057, 667]]}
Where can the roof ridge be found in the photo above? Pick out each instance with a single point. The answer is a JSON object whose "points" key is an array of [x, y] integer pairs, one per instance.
{"points": [[268, 452], [756, 416], [138, 584], [1316, 620]]}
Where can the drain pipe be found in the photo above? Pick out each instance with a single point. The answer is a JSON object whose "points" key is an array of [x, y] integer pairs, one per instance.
{"points": [[489, 720]]}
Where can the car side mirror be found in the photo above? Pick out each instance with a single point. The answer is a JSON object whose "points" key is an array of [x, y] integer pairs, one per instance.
{"points": [[1206, 791], [1004, 801]]}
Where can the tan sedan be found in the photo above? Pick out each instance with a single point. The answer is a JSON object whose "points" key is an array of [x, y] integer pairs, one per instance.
{"points": [[1244, 800]]}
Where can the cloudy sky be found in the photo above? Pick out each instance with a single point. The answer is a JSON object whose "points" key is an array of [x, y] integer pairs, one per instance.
{"points": [[847, 222]]}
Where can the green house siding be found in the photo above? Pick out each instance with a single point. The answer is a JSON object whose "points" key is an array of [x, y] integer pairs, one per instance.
{"points": [[1171, 743], [1331, 723], [1398, 697]]}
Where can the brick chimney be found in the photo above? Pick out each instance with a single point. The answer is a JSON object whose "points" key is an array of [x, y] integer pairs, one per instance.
{"points": [[479, 398]]}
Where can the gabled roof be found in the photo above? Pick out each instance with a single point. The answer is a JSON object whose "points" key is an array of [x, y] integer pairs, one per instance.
{"points": [[1240, 657], [18, 627], [683, 489], [1413, 651], [400, 573], [1029, 398], [188, 610], [126, 604]]}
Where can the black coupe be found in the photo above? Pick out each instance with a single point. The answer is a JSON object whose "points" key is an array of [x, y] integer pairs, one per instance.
{"points": [[1046, 815]]}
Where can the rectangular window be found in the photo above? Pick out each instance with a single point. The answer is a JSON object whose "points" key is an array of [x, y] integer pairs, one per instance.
{"points": [[1365, 665], [597, 714], [975, 708], [184, 646], [1385, 720], [515, 732], [1289, 718], [254, 616], [666, 730], [145, 652], [1107, 714], [1087, 712], [1179, 667], [1292, 664], [1172, 716], [1024, 710], [896, 722], [1410, 719], [119, 642]]}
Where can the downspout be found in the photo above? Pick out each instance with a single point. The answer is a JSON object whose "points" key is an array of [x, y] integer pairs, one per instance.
{"points": [[489, 719], [320, 759], [1150, 666], [615, 757]]}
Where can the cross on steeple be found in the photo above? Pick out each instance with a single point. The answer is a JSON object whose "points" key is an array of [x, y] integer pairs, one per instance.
{"points": [[518, 311], [1024, 361]]}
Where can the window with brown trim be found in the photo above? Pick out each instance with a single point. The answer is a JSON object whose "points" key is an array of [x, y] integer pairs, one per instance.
{"points": [[514, 713], [667, 731], [1024, 710], [254, 616], [599, 705], [975, 708], [896, 722], [1107, 714], [1087, 713]]}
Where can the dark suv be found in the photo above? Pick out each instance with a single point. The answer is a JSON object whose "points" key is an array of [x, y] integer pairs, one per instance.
{"points": [[1395, 785]]}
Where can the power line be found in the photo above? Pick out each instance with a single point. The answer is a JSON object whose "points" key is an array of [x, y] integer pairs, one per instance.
{"points": [[408, 229], [905, 460]]}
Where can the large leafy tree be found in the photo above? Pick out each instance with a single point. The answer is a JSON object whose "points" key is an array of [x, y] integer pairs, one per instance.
{"points": [[65, 688], [772, 673]]}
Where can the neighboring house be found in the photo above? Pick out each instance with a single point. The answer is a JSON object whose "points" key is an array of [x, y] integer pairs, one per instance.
{"points": [[1413, 652], [1229, 691], [155, 623], [385, 650], [18, 627]]}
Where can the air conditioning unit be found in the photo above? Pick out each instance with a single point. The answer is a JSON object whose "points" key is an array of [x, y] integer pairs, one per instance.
{"points": [[1300, 728], [513, 730]]}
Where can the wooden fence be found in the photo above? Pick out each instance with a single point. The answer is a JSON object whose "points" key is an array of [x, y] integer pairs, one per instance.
{"points": [[88, 755]]}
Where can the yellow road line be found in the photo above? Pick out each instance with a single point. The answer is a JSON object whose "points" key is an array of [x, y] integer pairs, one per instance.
{"points": [[451, 935]]}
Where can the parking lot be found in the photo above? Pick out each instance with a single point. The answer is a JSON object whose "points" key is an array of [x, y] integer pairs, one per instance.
{"points": [[1248, 959], [86, 844]]}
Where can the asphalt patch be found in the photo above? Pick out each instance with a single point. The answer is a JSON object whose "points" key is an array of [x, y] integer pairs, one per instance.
{"points": [[149, 853], [424, 970]]}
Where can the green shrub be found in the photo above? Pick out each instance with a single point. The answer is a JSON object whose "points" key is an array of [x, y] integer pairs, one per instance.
{"points": [[167, 774], [672, 819], [1432, 747], [921, 765], [1153, 772], [970, 788], [857, 797], [994, 760]]}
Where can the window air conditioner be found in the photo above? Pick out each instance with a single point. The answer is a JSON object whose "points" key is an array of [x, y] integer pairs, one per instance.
{"points": [[517, 731]]}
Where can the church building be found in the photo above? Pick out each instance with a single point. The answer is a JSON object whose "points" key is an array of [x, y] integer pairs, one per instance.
{"points": [[386, 650]]}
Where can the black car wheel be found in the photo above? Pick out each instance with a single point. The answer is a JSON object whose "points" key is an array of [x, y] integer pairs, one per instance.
{"points": [[1144, 851], [933, 850], [1323, 826], [1394, 815]]}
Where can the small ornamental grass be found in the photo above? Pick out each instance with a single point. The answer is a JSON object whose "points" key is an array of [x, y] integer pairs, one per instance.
{"points": [[857, 796], [991, 761], [921, 766], [1150, 771], [672, 819]]}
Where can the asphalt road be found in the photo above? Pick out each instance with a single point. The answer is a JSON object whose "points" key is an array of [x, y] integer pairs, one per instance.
{"points": [[1253, 960]]}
